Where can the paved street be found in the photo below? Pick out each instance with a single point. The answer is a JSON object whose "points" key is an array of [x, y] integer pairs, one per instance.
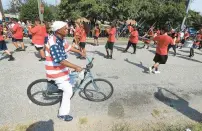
{"points": [[133, 101]]}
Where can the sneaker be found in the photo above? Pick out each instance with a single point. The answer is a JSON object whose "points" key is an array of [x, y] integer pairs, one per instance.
{"points": [[18, 49], [66, 118], [110, 57], [150, 70], [124, 51], [22, 49], [107, 57], [133, 53], [157, 72], [11, 58]]}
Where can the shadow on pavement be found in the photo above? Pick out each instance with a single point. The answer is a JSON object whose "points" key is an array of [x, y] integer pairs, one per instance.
{"points": [[119, 48], [98, 53], [42, 126], [138, 65], [172, 100], [188, 58]]}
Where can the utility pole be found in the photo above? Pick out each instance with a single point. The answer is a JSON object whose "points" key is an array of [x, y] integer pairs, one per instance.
{"points": [[1, 8], [40, 10], [187, 12]]}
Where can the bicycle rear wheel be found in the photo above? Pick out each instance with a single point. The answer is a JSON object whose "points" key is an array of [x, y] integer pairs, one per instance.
{"points": [[96, 90], [44, 93]]}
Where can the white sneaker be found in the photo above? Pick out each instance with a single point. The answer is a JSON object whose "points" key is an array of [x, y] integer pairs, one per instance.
{"points": [[150, 70], [157, 72]]}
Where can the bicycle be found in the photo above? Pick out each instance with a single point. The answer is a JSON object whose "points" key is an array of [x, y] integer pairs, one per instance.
{"points": [[53, 95]]}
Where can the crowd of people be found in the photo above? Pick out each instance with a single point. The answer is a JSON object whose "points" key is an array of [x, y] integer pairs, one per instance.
{"points": [[53, 47]]}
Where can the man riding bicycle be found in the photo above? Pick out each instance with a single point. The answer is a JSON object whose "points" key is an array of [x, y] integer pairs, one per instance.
{"points": [[57, 66]]}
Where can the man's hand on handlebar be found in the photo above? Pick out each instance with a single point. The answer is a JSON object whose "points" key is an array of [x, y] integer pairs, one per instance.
{"points": [[78, 69]]}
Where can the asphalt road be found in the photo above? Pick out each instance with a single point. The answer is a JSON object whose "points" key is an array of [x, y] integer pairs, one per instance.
{"points": [[133, 101]]}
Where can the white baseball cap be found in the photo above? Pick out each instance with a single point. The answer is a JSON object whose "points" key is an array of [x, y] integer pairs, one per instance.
{"points": [[58, 25]]}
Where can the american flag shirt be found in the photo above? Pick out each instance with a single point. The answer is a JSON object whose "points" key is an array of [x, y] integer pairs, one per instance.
{"points": [[56, 52]]}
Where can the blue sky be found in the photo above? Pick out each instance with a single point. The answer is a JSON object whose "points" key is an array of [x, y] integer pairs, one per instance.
{"points": [[196, 5]]}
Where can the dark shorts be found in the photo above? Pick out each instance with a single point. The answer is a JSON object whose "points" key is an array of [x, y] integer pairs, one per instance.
{"points": [[17, 40], [38, 48], [73, 40], [82, 45], [30, 36], [161, 59], [46, 40], [3, 45], [109, 45], [95, 37]]}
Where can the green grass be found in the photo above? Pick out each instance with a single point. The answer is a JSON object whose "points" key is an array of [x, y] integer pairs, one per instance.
{"points": [[121, 127], [83, 121]]}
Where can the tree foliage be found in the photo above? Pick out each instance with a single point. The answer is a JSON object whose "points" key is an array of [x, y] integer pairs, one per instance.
{"points": [[29, 10], [159, 11]]}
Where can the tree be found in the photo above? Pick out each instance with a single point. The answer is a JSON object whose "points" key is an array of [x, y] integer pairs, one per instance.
{"points": [[29, 10]]}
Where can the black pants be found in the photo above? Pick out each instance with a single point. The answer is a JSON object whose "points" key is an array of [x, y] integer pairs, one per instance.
{"points": [[174, 48], [129, 45], [191, 51]]}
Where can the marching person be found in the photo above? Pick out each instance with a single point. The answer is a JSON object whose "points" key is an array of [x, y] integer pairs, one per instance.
{"points": [[133, 40], [3, 45], [149, 36], [38, 37], [111, 39], [82, 38], [196, 44], [161, 50], [173, 45], [96, 34], [17, 31]]}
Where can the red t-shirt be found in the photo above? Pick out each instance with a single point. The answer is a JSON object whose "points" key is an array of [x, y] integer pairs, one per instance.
{"points": [[97, 32], [112, 35], [186, 35], [45, 31], [1, 33], [38, 35], [77, 31], [17, 31], [162, 44], [83, 36], [130, 28], [134, 37]]}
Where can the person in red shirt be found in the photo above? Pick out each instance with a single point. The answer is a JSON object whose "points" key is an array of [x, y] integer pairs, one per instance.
{"points": [[38, 37], [17, 36], [161, 50], [3, 45], [111, 39], [133, 40], [148, 35], [83, 35], [173, 45], [77, 32], [130, 28], [97, 33]]}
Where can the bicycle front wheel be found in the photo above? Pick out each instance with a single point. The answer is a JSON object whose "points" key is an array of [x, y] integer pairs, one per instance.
{"points": [[44, 93], [98, 90]]}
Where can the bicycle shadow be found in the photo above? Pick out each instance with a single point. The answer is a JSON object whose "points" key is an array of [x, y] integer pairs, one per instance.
{"points": [[90, 94], [145, 69], [42, 126], [178, 104]]}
